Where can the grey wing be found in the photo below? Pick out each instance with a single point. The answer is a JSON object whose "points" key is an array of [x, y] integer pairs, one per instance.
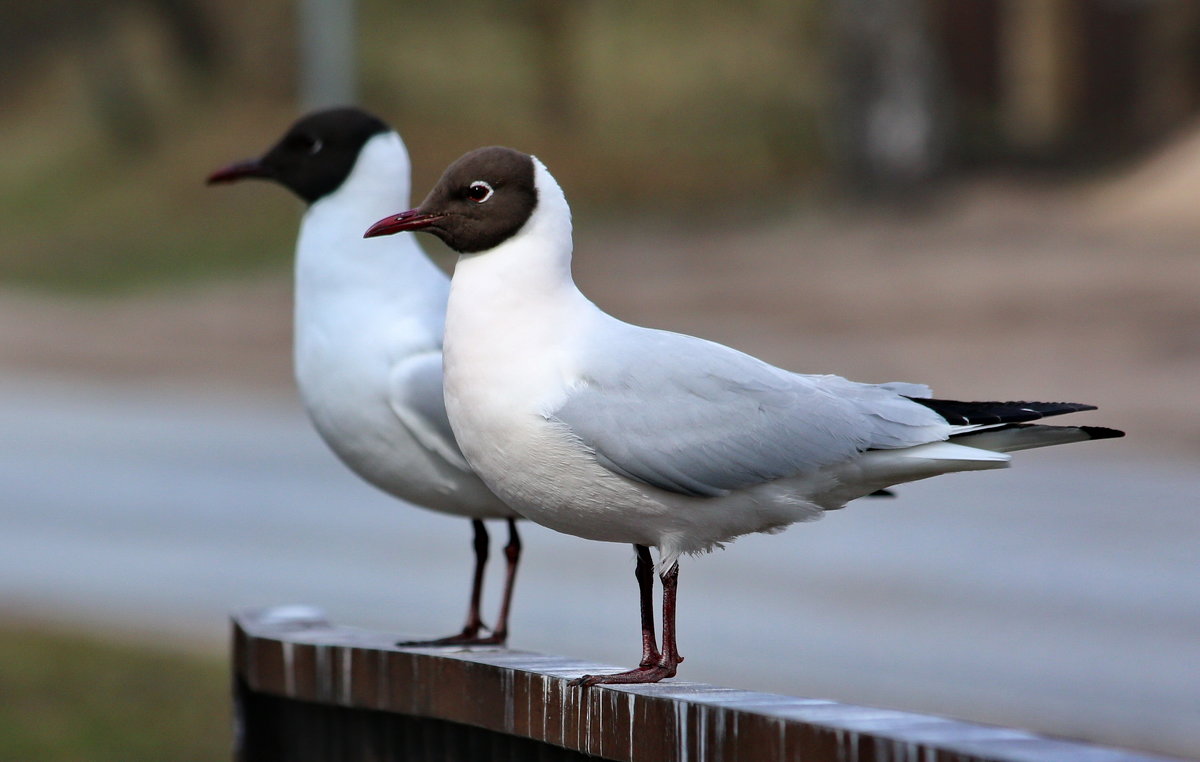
{"points": [[701, 419], [415, 396]]}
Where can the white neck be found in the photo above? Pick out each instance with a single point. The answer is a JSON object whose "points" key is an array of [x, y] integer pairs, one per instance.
{"points": [[533, 267], [514, 307], [335, 264]]}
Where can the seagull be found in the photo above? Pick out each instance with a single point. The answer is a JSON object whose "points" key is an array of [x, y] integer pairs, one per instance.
{"points": [[614, 432], [368, 332]]}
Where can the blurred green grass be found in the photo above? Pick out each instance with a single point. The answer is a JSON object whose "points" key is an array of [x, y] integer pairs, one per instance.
{"points": [[69, 697], [82, 218], [680, 110]]}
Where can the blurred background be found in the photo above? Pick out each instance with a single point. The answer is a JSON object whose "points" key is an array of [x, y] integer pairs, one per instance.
{"points": [[997, 197]]}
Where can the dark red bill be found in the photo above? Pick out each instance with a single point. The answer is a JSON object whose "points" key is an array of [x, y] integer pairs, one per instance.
{"points": [[239, 171], [413, 219]]}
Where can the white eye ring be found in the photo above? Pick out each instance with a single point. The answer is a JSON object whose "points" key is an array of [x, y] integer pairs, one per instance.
{"points": [[474, 191]]}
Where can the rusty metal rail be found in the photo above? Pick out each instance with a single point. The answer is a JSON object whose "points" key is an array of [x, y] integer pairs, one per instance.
{"points": [[309, 690]]}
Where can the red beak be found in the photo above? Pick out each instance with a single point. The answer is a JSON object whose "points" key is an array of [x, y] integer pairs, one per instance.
{"points": [[413, 219], [239, 171]]}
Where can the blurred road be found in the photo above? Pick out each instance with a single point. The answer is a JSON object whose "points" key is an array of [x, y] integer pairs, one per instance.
{"points": [[1061, 596]]}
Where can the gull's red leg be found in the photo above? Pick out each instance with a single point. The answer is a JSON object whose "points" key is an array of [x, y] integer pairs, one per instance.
{"points": [[644, 572], [470, 631], [654, 665], [670, 653], [512, 554]]}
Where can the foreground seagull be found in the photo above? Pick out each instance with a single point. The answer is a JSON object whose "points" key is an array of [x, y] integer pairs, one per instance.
{"points": [[368, 330], [614, 432]]}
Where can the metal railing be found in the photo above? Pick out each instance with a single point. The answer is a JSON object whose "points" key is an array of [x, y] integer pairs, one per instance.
{"points": [[309, 690]]}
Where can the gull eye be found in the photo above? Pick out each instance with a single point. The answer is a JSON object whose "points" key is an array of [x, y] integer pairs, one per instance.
{"points": [[306, 144], [479, 191]]}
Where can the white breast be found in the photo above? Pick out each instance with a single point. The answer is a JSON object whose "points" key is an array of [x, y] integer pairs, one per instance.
{"points": [[516, 328], [362, 305]]}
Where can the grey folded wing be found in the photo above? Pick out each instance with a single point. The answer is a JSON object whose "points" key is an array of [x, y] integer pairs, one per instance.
{"points": [[416, 399], [701, 419]]}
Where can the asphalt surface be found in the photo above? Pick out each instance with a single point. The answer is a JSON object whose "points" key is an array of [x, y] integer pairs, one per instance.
{"points": [[1061, 596]]}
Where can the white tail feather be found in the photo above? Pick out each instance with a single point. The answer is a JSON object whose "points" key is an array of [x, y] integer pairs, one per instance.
{"points": [[949, 451], [1013, 438], [973, 451]]}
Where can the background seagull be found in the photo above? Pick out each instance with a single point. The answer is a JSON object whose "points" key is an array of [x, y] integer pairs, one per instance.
{"points": [[610, 431], [368, 330]]}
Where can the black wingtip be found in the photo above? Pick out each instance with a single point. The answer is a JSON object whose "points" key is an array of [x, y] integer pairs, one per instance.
{"points": [[992, 413], [1100, 432]]}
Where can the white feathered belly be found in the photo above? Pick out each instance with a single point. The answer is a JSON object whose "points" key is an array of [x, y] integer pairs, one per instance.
{"points": [[549, 477]]}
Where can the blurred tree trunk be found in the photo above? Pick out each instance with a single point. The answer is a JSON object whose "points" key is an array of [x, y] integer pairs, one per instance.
{"points": [[110, 79], [553, 25], [890, 104], [194, 34], [111, 89], [1042, 77], [328, 53], [1167, 66]]}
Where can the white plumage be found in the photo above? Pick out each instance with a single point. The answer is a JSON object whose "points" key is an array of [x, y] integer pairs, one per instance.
{"points": [[611, 431], [369, 316], [368, 333], [614, 432]]}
